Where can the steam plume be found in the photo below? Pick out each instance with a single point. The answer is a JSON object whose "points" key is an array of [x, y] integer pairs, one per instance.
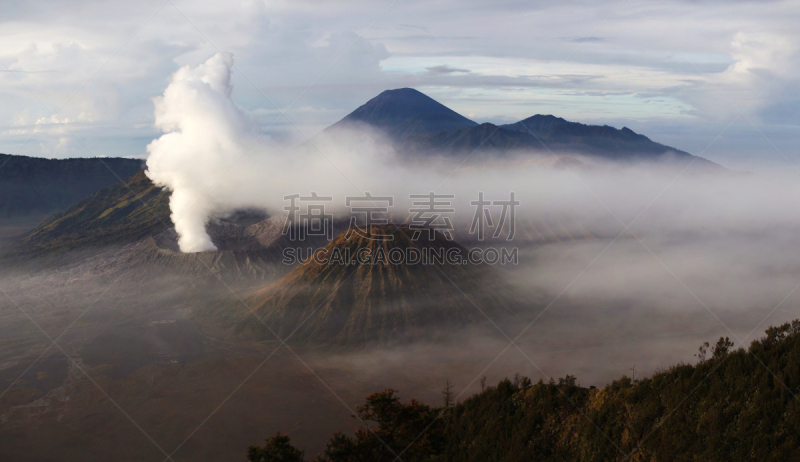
{"points": [[204, 133]]}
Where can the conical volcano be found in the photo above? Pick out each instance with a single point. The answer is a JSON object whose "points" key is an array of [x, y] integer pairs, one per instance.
{"points": [[380, 286], [404, 112]]}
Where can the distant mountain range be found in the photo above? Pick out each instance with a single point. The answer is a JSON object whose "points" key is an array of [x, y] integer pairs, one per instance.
{"points": [[32, 186], [422, 127], [419, 125]]}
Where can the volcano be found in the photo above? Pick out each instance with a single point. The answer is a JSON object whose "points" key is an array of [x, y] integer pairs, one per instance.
{"points": [[128, 225], [404, 112], [349, 300]]}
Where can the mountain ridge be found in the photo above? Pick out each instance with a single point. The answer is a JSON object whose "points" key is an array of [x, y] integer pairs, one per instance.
{"points": [[119, 214], [40, 186], [421, 127]]}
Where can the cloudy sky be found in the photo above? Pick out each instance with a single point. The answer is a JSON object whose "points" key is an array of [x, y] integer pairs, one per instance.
{"points": [[716, 78]]}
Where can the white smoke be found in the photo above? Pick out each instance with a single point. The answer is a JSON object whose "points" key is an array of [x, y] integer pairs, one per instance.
{"points": [[205, 132], [213, 160]]}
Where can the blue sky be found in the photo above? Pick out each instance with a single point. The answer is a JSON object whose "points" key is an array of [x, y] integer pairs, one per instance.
{"points": [[719, 79]]}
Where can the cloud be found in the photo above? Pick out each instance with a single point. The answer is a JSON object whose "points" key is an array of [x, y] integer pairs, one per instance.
{"points": [[584, 39], [412, 26], [335, 57], [445, 69]]}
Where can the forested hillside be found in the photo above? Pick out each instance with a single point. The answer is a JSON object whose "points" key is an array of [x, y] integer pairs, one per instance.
{"points": [[732, 405]]}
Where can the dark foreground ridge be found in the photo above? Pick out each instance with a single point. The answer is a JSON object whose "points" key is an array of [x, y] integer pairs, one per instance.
{"points": [[731, 405]]}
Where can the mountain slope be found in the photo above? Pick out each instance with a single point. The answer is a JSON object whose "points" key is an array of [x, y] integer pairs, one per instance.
{"points": [[120, 214], [559, 134], [738, 404], [133, 218], [350, 301], [404, 112], [247, 254], [553, 137], [36, 186], [482, 138]]}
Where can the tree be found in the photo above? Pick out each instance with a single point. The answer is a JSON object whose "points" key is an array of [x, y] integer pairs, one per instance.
{"points": [[722, 348], [447, 393], [702, 351], [568, 381], [411, 431], [276, 449]]}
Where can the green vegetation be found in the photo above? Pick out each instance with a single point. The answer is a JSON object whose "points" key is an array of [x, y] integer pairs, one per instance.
{"points": [[731, 405], [276, 448], [31, 186], [120, 214]]}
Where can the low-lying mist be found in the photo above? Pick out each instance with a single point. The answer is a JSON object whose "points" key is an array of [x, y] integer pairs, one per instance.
{"points": [[704, 254]]}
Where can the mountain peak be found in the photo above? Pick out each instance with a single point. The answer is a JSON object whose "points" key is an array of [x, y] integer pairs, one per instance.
{"points": [[405, 111], [538, 124], [405, 92]]}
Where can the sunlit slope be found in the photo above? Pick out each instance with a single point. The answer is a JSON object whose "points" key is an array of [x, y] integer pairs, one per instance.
{"points": [[123, 213], [346, 303]]}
